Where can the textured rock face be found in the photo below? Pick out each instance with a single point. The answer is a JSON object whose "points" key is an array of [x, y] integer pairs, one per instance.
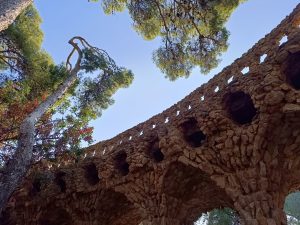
{"points": [[234, 142]]}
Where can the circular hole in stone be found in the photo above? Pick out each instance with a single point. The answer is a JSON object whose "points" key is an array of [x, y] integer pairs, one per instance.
{"points": [[59, 180], [192, 133], [155, 152], [91, 174], [36, 186], [121, 163], [240, 107], [291, 70]]}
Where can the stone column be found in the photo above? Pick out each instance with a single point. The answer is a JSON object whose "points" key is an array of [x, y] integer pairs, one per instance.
{"points": [[146, 194], [261, 208], [258, 199]]}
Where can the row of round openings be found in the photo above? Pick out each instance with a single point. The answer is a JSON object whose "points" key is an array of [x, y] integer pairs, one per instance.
{"points": [[239, 106], [90, 174], [244, 71]]}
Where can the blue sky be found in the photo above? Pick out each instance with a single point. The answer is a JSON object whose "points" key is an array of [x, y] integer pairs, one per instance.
{"points": [[150, 92]]}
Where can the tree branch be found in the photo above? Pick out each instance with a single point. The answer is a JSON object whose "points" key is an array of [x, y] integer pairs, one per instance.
{"points": [[16, 168]]}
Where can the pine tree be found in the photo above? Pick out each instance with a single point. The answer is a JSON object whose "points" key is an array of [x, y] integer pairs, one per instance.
{"points": [[192, 32]]}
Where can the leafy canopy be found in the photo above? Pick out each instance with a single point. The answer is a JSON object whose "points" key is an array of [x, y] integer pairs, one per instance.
{"points": [[192, 31], [28, 76]]}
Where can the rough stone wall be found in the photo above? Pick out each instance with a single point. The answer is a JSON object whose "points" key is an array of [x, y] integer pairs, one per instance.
{"points": [[233, 142]]}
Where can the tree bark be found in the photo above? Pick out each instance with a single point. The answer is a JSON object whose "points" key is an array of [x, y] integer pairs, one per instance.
{"points": [[10, 9], [17, 167]]}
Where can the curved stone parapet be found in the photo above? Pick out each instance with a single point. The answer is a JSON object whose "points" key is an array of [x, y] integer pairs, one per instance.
{"points": [[233, 142]]}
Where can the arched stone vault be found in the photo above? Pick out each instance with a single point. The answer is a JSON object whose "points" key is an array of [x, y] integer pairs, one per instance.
{"points": [[235, 142]]}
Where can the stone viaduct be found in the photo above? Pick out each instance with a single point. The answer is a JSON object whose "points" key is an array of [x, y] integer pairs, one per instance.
{"points": [[234, 142]]}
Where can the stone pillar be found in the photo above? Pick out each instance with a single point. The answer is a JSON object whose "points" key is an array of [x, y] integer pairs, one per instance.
{"points": [[155, 206], [261, 208]]}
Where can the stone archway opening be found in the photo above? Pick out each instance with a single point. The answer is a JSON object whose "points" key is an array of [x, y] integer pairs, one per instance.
{"points": [[192, 192], [155, 152], [110, 207], [121, 163], [291, 70], [91, 174], [192, 133], [240, 107]]}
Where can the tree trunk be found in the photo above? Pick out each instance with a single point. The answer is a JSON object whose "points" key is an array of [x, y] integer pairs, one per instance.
{"points": [[10, 9], [17, 167]]}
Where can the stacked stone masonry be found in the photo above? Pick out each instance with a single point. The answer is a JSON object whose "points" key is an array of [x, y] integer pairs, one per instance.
{"points": [[234, 142]]}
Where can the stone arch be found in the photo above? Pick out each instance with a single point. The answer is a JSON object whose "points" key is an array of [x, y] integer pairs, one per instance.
{"points": [[105, 207], [193, 191]]}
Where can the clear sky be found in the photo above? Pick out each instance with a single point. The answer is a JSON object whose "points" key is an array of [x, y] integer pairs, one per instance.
{"points": [[150, 92]]}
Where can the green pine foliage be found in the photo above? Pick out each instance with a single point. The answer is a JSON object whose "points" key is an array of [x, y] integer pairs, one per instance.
{"points": [[193, 33], [224, 216], [292, 208]]}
